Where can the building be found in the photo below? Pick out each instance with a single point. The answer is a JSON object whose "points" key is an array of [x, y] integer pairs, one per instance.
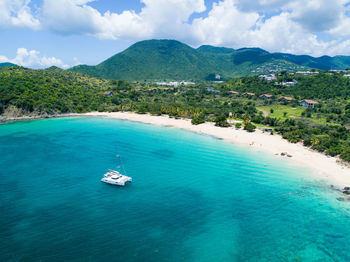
{"points": [[307, 73], [337, 71], [286, 98], [234, 93], [108, 93], [268, 78], [212, 89], [266, 96], [347, 76], [308, 103], [174, 84], [249, 94], [290, 83]]}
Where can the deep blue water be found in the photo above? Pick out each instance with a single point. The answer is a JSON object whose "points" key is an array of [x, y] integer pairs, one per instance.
{"points": [[193, 198]]}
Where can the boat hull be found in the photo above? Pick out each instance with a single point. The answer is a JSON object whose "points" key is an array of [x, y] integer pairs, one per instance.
{"points": [[116, 183]]}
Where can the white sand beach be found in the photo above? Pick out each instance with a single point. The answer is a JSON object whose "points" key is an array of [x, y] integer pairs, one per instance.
{"points": [[324, 168]]}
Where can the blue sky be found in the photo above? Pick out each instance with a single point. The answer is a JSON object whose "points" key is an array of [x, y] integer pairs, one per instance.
{"points": [[41, 33]]}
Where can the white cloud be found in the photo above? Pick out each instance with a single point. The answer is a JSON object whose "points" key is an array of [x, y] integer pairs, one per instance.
{"points": [[313, 27], [225, 25], [276, 25], [158, 17], [33, 59], [316, 15], [16, 13]]}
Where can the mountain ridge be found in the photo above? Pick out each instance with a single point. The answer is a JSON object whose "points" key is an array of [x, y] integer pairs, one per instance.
{"points": [[6, 64], [173, 60]]}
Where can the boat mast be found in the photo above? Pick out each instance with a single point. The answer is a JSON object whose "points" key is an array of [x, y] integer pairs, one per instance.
{"points": [[122, 167]]}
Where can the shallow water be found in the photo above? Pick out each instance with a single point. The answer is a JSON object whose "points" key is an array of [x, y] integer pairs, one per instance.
{"points": [[193, 198]]}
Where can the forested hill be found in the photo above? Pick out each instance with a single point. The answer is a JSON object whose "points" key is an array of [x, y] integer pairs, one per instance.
{"points": [[51, 90], [153, 60], [173, 60], [324, 86], [6, 65]]}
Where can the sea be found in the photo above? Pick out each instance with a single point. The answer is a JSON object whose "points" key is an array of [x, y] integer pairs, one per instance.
{"points": [[193, 198]]}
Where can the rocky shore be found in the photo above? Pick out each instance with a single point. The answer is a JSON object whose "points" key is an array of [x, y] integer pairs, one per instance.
{"points": [[5, 118]]}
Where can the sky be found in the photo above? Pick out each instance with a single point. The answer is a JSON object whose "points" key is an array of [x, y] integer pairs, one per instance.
{"points": [[65, 33]]}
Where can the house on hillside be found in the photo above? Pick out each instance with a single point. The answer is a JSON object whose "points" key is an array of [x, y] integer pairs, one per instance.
{"points": [[212, 89], [337, 71], [266, 96], [249, 94], [108, 93], [289, 83], [307, 73], [268, 78], [308, 103], [286, 98], [347, 76], [234, 93]]}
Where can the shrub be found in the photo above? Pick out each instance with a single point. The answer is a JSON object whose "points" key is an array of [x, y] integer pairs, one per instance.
{"points": [[197, 120], [221, 121], [345, 155], [249, 127], [238, 125]]}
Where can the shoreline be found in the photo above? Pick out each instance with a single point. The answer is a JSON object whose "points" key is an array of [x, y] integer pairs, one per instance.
{"points": [[4, 120], [323, 168]]}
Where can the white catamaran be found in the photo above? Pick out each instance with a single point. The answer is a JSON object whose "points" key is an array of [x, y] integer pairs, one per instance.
{"points": [[115, 178]]}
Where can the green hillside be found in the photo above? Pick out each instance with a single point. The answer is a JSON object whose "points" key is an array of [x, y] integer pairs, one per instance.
{"points": [[6, 65], [173, 60], [153, 60], [51, 90]]}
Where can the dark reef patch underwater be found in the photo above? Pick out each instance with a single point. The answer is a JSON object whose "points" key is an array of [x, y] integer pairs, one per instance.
{"points": [[193, 198]]}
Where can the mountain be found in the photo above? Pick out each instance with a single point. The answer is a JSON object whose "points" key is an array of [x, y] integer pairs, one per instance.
{"points": [[6, 64], [173, 60], [153, 59]]}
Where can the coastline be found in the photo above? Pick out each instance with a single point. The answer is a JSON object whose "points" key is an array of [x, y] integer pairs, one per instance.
{"points": [[7, 119], [323, 168]]}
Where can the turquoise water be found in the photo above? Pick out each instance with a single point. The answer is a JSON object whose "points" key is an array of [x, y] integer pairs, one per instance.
{"points": [[193, 198]]}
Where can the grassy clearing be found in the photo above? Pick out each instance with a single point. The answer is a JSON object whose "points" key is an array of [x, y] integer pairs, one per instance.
{"points": [[285, 111]]}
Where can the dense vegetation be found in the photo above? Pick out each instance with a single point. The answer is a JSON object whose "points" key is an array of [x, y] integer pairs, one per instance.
{"points": [[172, 60], [6, 65], [324, 85], [52, 90], [324, 128]]}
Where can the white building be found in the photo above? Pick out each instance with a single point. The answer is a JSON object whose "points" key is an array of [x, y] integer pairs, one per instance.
{"points": [[307, 73], [290, 83], [174, 84], [308, 103], [269, 77]]}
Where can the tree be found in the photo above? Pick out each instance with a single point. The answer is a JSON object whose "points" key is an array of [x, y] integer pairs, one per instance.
{"points": [[249, 127], [221, 121], [198, 120]]}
